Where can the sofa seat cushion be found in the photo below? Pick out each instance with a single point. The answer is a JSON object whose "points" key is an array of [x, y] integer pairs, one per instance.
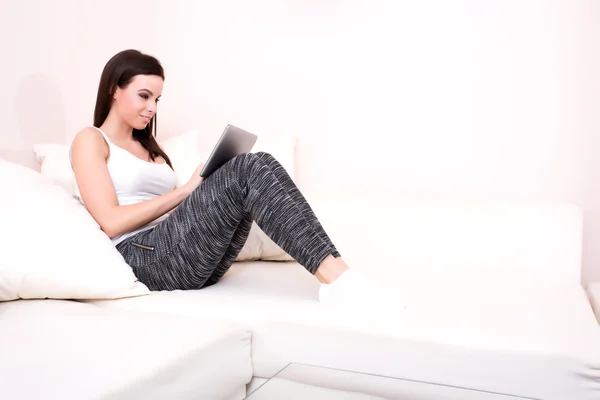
{"points": [[485, 337], [59, 349]]}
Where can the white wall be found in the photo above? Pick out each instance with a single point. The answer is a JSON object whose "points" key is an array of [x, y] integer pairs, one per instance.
{"points": [[53, 53], [590, 129], [459, 91], [482, 99]]}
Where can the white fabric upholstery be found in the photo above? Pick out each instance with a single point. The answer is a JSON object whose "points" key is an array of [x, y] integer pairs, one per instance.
{"points": [[66, 350], [55, 164], [485, 337], [52, 247], [301, 381], [475, 242], [255, 384]]}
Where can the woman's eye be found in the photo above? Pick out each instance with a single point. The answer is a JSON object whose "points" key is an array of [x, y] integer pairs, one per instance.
{"points": [[144, 96]]}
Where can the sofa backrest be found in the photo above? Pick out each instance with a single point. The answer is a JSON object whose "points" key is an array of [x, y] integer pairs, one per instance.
{"points": [[379, 224], [507, 243]]}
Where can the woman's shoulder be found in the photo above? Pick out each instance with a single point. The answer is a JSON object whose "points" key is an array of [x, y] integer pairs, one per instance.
{"points": [[88, 132], [89, 139]]}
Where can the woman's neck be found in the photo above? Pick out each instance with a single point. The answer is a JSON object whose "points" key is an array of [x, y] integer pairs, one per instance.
{"points": [[117, 129]]}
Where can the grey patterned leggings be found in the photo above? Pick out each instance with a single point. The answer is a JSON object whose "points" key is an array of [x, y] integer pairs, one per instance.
{"points": [[198, 242]]}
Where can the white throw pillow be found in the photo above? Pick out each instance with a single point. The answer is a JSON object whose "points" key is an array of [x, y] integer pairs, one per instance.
{"points": [[55, 164], [52, 247], [185, 154]]}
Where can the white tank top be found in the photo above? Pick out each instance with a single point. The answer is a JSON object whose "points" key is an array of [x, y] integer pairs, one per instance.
{"points": [[135, 180]]}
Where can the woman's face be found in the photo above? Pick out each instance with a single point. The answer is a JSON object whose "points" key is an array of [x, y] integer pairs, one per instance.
{"points": [[136, 104]]}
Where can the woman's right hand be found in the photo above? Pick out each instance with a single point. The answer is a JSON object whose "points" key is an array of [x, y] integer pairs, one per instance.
{"points": [[196, 179]]}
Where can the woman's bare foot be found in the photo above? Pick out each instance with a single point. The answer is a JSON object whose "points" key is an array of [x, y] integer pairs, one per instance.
{"points": [[330, 269]]}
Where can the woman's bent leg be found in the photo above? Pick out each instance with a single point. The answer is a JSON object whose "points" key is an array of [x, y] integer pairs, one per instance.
{"points": [[292, 190], [197, 243]]}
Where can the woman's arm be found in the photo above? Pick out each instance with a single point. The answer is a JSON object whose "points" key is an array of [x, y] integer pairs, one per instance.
{"points": [[89, 153]]}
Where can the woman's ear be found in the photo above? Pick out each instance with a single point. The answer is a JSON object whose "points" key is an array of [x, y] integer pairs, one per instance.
{"points": [[116, 93]]}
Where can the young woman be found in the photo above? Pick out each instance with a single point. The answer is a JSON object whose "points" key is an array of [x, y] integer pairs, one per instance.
{"points": [[185, 237]]}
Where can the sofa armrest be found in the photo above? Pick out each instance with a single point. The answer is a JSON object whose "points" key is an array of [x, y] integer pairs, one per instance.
{"points": [[593, 292]]}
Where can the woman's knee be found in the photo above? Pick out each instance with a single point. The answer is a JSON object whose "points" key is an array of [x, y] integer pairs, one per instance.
{"points": [[247, 159], [260, 157], [263, 155], [242, 165]]}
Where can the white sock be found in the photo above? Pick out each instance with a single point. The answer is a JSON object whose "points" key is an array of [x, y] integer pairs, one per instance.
{"points": [[329, 293], [354, 290]]}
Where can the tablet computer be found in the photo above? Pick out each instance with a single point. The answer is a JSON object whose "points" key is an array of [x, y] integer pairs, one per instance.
{"points": [[233, 142]]}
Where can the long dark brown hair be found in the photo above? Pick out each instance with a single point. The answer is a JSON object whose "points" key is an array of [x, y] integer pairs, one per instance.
{"points": [[119, 71]]}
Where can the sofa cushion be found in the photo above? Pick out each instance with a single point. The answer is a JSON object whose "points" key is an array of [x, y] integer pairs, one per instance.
{"points": [[60, 349], [484, 337], [52, 247]]}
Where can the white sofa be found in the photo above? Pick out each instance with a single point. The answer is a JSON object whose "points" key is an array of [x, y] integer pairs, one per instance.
{"points": [[493, 297], [495, 305]]}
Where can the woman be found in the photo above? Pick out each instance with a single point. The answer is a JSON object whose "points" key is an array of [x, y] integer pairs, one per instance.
{"points": [[185, 237]]}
